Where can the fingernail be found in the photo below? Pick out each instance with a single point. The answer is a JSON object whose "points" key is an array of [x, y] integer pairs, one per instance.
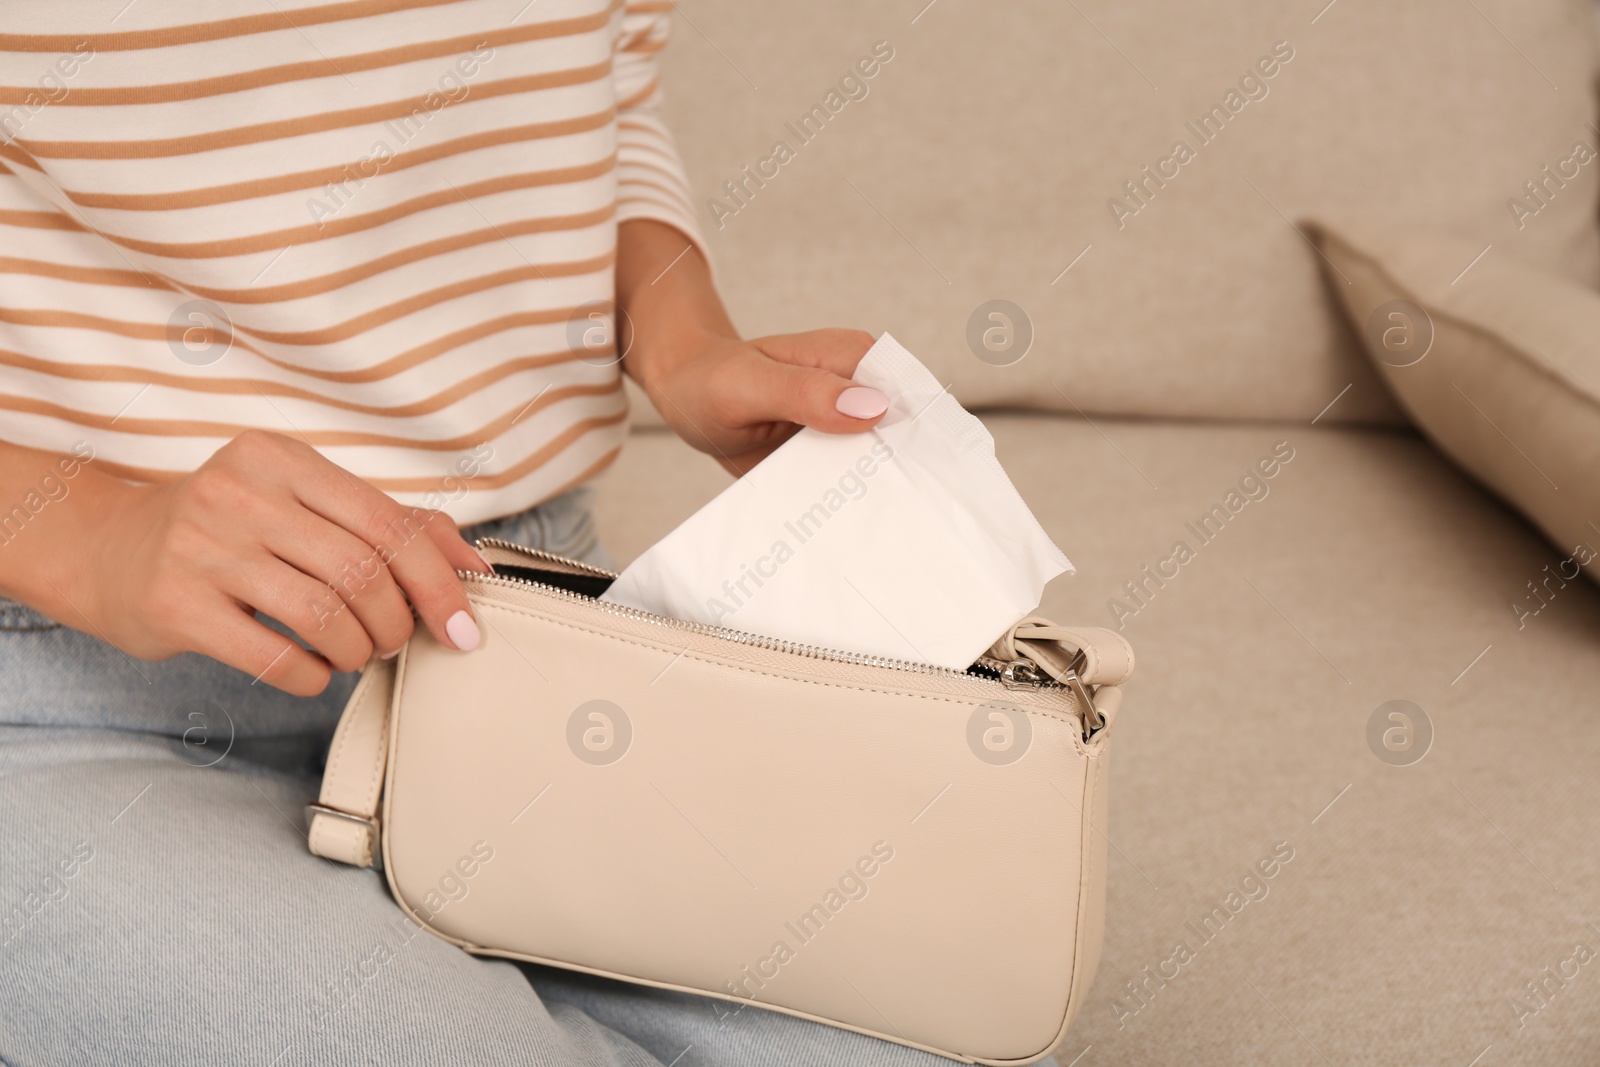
{"points": [[861, 402], [390, 655], [462, 631], [486, 564]]}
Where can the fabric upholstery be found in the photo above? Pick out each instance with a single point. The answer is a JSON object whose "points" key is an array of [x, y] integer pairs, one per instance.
{"points": [[982, 158], [1510, 383]]}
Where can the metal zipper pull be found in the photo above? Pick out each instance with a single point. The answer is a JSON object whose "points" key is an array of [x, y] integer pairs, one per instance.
{"points": [[1021, 674], [1025, 674], [1013, 674]]}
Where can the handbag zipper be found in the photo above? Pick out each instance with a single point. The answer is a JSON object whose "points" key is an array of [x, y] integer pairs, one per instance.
{"points": [[1015, 674]]}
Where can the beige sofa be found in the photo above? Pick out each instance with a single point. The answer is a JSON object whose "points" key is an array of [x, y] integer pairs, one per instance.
{"points": [[1432, 911]]}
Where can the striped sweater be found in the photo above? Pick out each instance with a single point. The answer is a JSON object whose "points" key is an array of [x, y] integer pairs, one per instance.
{"points": [[385, 227]]}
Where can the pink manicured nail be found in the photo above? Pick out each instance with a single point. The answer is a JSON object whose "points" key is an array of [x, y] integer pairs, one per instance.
{"points": [[861, 402], [462, 631], [486, 564]]}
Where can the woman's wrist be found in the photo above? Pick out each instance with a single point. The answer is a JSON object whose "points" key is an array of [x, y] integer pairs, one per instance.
{"points": [[656, 353], [666, 300], [731, 398]]}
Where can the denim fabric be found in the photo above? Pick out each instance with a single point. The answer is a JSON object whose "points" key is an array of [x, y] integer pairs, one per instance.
{"points": [[158, 904]]}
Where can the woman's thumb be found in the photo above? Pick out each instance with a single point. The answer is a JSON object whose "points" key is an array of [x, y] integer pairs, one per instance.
{"points": [[820, 399]]}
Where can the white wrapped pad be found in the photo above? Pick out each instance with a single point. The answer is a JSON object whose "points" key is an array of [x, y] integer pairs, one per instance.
{"points": [[907, 541]]}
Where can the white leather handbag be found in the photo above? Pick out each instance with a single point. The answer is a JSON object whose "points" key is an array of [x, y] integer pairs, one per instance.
{"points": [[891, 847]]}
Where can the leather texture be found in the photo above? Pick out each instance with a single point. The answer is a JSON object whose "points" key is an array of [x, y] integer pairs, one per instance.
{"points": [[913, 854], [353, 780], [1106, 656]]}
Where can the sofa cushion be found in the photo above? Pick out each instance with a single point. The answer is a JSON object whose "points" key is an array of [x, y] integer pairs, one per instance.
{"points": [[1498, 362], [1420, 900], [991, 151]]}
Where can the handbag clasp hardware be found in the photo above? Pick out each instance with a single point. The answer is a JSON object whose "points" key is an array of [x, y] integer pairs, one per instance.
{"points": [[1020, 674], [1092, 720], [1024, 674], [371, 824]]}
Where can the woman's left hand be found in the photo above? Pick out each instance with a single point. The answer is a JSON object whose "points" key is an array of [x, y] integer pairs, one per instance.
{"points": [[739, 400], [734, 399]]}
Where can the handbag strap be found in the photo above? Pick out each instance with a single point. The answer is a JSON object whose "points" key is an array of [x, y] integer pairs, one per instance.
{"points": [[1092, 661], [1097, 655], [344, 820]]}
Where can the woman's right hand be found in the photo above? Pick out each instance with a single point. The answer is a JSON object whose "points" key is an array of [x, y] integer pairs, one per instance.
{"points": [[266, 524]]}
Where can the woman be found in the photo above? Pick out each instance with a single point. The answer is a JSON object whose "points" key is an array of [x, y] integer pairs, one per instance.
{"points": [[288, 294]]}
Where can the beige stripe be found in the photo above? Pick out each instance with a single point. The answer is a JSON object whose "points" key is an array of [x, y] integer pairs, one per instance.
{"points": [[414, 357], [362, 323], [673, 182], [319, 438], [40, 220], [66, 272], [322, 68], [674, 197], [589, 472], [644, 46], [382, 316], [331, 228], [301, 126], [388, 368], [100, 372], [344, 172], [558, 444], [641, 96], [629, 195], [443, 246], [16, 155], [196, 32], [311, 286], [538, 459], [654, 207]]}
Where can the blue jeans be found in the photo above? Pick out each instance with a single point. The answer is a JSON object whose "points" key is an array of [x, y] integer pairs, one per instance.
{"points": [[158, 904]]}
